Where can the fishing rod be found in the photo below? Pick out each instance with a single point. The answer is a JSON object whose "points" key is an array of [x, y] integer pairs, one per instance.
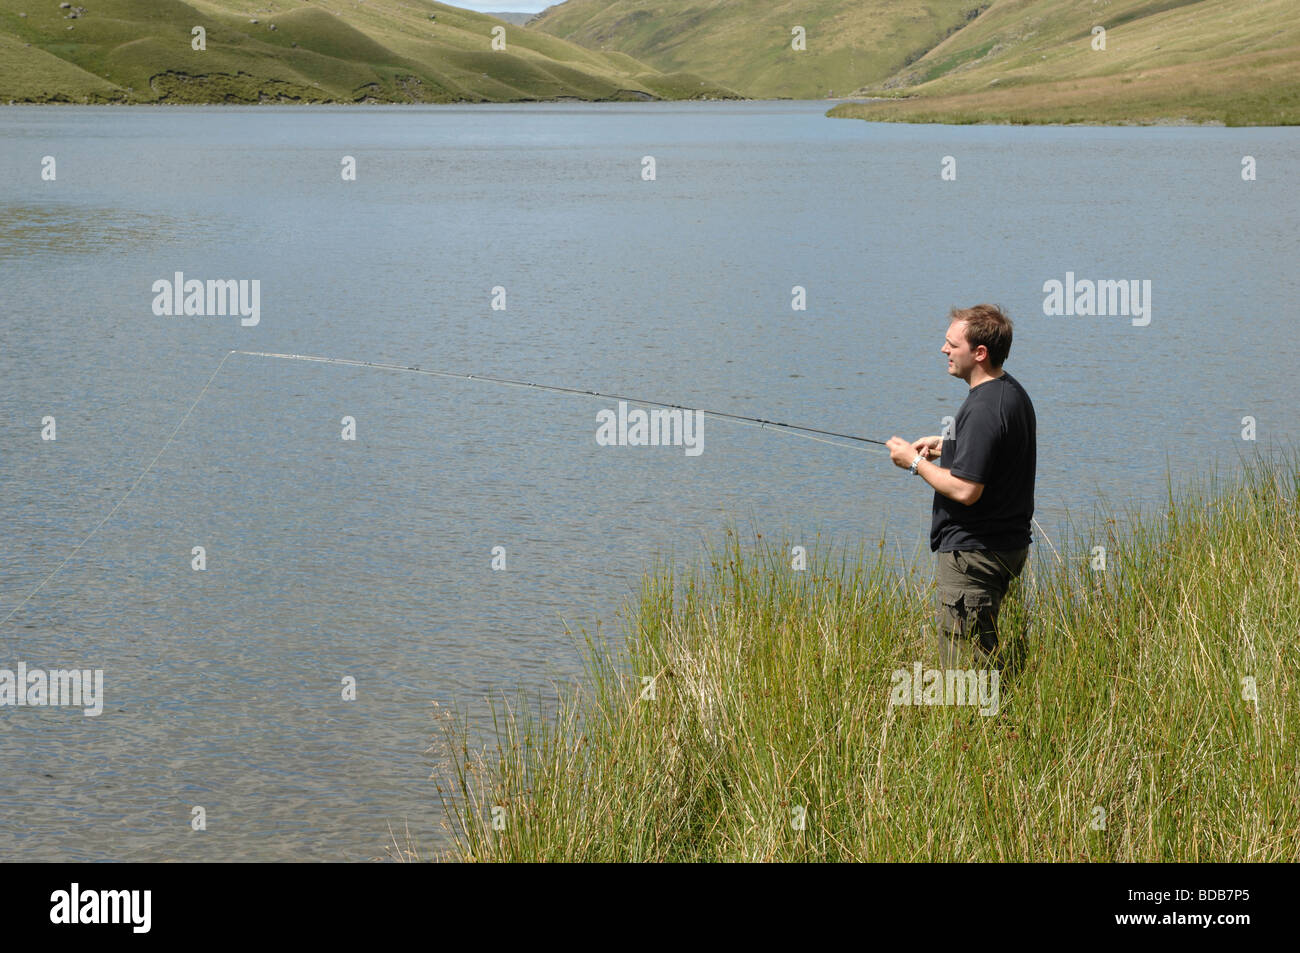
{"points": [[795, 429]]}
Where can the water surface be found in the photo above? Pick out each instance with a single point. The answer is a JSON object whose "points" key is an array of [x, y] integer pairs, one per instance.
{"points": [[371, 559]]}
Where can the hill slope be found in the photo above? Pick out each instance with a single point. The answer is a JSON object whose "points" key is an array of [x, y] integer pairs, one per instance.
{"points": [[302, 51], [1033, 61], [746, 44]]}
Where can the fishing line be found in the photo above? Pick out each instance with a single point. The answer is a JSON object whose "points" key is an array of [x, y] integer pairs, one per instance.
{"points": [[118, 505], [795, 430]]}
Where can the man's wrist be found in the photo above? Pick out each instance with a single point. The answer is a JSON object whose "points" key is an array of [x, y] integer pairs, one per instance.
{"points": [[913, 469]]}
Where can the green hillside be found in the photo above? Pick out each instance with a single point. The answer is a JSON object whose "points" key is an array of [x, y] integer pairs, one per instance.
{"points": [[303, 51], [747, 44], [519, 19], [1230, 61], [1224, 61]]}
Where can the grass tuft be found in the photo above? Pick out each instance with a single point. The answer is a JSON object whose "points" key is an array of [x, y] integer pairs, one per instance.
{"points": [[1125, 730]]}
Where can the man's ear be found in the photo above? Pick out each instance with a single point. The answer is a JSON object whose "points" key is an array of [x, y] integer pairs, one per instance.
{"points": [[980, 358]]}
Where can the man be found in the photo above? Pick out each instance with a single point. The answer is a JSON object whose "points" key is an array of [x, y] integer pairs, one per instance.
{"points": [[983, 483]]}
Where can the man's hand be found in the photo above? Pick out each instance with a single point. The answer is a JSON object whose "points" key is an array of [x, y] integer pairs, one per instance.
{"points": [[929, 447], [901, 452]]}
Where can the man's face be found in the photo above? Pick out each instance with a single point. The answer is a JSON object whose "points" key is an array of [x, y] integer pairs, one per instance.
{"points": [[961, 359]]}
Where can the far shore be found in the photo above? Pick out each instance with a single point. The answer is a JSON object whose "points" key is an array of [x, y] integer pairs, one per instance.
{"points": [[905, 110]]}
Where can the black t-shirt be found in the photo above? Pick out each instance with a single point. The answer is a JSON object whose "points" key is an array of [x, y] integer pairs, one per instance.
{"points": [[993, 440]]}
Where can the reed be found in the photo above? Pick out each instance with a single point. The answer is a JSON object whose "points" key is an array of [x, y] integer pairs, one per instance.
{"points": [[1126, 729]]}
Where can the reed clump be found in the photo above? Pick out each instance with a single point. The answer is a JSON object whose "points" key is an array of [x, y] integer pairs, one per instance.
{"points": [[1147, 711]]}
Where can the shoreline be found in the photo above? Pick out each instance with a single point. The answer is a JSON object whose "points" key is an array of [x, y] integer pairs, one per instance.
{"points": [[972, 120], [1164, 122]]}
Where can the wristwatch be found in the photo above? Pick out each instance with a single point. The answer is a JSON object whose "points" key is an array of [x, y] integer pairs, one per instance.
{"points": [[915, 464]]}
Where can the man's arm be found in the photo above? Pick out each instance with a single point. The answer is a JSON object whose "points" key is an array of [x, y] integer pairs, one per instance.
{"points": [[953, 487]]}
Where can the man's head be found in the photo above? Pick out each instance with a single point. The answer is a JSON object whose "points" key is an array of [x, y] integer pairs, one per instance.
{"points": [[977, 342]]}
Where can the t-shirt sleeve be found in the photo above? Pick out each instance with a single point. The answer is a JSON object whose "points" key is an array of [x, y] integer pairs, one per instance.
{"points": [[977, 444]]}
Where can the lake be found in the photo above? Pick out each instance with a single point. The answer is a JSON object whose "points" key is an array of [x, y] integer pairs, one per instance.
{"points": [[371, 559]]}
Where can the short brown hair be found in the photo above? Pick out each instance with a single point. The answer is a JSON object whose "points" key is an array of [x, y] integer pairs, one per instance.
{"points": [[986, 324]]}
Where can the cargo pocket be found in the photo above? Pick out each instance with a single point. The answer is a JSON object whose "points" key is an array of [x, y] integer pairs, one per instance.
{"points": [[963, 611], [952, 612], [981, 620]]}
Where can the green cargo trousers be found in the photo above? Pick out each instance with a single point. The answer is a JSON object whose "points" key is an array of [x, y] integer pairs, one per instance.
{"points": [[971, 585]]}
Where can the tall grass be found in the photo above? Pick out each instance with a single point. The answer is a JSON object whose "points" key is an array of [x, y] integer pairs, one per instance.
{"points": [[1123, 731]]}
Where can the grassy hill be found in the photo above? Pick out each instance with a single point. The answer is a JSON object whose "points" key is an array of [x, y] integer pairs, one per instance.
{"points": [[303, 51], [519, 19], [1032, 61], [1230, 61], [746, 45]]}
